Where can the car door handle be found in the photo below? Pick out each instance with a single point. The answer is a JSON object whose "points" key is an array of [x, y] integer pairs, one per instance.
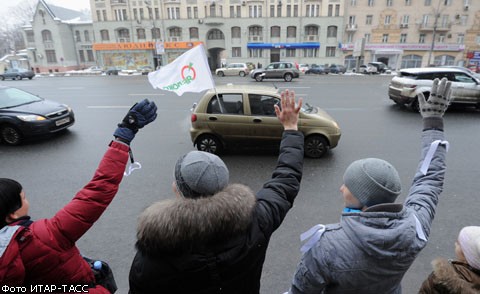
{"points": [[213, 118], [257, 120]]}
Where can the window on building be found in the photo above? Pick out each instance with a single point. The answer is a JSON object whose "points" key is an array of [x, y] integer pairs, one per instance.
{"points": [[236, 32], [104, 15], [173, 12], [120, 14], [157, 13], [311, 32], [141, 34], [291, 32], [279, 10], [403, 38], [371, 2], [236, 51], [289, 10], [421, 39], [330, 51], [477, 39], [190, 14], [405, 19], [30, 36], [272, 10], [389, 2], [460, 38], [367, 38], [135, 14], [353, 2], [255, 31], [441, 38], [275, 32], [463, 20], [290, 53], [215, 34], [239, 11], [444, 60], [232, 11], [351, 20], [409, 61], [141, 14], [408, 2], [175, 32], [99, 15], [78, 38], [213, 10], [81, 55], [332, 32], [87, 36], [388, 19], [447, 2], [90, 56], [255, 11], [427, 2], [255, 52], [330, 10], [193, 33], [385, 38], [312, 10], [156, 34], [337, 10], [369, 19], [349, 37], [51, 56], [150, 13], [104, 35], [310, 52], [295, 10]]}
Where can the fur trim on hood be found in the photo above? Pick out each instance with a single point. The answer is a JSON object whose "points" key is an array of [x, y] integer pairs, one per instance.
{"points": [[451, 280], [184, 224]]}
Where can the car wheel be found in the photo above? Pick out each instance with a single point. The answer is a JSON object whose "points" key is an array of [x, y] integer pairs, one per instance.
{"points": [[288, 77], [2, 78], [209, 143], [220, 74], [258, 78], [242, 73], [10, 135], [315, 146], [19, 78], [30, 78]]}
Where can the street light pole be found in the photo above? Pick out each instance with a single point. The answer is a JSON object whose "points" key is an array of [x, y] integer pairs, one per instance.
{"points": [[435, 24]]}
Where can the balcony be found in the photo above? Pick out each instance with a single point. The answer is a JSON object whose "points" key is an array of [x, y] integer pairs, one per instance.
{"points": [[427, 27], [351, 27], [255, 38], [118, 2], [310, 38], [213, 21]]}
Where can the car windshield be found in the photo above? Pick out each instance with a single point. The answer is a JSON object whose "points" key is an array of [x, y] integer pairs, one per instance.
{"points": [[11, 97]]}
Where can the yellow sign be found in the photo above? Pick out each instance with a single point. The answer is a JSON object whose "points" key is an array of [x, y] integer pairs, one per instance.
{"points": [[143, 46]]}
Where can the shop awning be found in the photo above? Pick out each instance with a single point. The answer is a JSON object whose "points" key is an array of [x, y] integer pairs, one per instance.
{"points": [[283, 45]]}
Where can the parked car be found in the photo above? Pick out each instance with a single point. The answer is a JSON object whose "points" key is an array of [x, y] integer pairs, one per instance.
{"points": [[144, 70], [233, 69], [112, 70], [17, 74], [276, 70], [337, 69], [376, 68], [24, 115], [244, 115], [316, 69], [303, 68], [129, 72], [405, 86], [94, 69]]}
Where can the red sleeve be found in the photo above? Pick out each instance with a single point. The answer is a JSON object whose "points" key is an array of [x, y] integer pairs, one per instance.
{"points": [[74, 220]]}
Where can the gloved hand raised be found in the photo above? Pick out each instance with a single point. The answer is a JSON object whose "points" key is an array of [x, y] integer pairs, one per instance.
{"points": [[433, 109], [141, 114]]}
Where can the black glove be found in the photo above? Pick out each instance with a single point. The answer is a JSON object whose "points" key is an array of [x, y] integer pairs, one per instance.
{"points": [[138, 116]]}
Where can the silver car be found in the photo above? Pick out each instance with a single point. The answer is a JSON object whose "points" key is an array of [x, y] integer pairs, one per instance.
{"points": [[233, 69]]}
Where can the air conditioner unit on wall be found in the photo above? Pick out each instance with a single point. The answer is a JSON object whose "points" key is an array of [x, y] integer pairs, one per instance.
{"points": [[465, 7], [200, 21]]}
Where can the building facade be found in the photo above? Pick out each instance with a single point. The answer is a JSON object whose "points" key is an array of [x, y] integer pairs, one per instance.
{"points": [[412, 33]]}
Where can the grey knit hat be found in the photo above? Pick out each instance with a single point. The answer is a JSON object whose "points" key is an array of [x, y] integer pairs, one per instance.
{"points": [[372, 181], [199, 173]]}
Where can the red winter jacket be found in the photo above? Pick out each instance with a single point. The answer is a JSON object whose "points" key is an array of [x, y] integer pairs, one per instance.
{"points": [[48, 253]]}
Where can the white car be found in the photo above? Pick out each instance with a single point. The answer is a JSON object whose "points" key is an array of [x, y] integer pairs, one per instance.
{"points": [[406, 85], [303, 68], [233, 69]]}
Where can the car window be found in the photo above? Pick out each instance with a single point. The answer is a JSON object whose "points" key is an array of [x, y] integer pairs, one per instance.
{"points": [[226, 104], [463, 78], [276, 66], [262, 104], [10, 97]]}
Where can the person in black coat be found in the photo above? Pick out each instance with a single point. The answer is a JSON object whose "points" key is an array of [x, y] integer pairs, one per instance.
{"points": [[213, 237]]}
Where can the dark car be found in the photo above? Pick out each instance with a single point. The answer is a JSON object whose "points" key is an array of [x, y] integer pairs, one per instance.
{"points": [[316, 69], [337, 69], [276, 70], [24, 115], [376, 67], [17, 74], [112, 71], [145, 69]]}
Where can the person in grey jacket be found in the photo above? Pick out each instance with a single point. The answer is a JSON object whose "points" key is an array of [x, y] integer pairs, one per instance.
{"points": [[377, 240]]}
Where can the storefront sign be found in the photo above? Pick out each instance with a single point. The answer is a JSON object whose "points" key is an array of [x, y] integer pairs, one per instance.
{"points": [[123, 46], [181, 45], [283, 45], [420, 47]]}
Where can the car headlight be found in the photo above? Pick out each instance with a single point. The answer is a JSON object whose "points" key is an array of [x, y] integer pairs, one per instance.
{"points": [[31, 117], [67, 107]]}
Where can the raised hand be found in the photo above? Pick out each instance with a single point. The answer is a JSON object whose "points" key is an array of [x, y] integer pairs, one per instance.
{"points": [[439, 99], [139, 115], [288, 114]]}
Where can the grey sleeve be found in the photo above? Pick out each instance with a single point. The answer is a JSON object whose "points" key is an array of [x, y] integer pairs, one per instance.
{"points": [[309, 277]]}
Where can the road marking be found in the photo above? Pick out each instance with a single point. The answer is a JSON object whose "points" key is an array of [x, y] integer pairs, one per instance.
{"points": [[72, 88], [294, 87], [146, 94], [108, 106]]}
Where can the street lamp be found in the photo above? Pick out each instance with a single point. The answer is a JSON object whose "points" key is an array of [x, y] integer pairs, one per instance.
{"points": [[435, 24], [158, 46]]}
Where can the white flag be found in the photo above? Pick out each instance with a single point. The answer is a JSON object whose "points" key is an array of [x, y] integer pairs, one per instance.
{"points": [[188, 73]]}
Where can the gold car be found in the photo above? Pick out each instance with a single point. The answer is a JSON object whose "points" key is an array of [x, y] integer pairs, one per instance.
{"points": [[244, 115]]}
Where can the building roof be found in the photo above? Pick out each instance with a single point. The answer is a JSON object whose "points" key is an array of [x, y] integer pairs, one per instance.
{"points": [[66, 15]]}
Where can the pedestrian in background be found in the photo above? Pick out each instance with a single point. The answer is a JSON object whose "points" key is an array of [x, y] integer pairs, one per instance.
{"points": [[44, 251], [377, 240], [460, 276], [213, 237]]}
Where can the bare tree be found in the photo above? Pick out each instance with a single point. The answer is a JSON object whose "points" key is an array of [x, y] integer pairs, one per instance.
{"points": [[11, 37]]}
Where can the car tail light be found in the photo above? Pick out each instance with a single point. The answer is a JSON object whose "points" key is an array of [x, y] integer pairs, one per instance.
{"points": [[193, 118], [411, 86]]}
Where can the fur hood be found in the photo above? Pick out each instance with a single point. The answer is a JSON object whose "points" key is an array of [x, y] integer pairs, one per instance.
{"points": [[185, 224], [455, 277]]}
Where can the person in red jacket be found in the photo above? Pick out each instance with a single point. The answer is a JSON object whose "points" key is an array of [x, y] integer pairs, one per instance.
{"points": [[44, 251]]}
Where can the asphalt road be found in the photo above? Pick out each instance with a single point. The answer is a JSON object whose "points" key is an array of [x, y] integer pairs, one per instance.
{"points": [[53, 170]]}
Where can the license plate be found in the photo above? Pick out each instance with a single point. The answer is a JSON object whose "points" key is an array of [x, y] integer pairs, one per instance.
{"points": [[62, 121]]}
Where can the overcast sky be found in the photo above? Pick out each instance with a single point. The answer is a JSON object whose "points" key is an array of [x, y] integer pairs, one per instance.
{"points": [[71, 4]]}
